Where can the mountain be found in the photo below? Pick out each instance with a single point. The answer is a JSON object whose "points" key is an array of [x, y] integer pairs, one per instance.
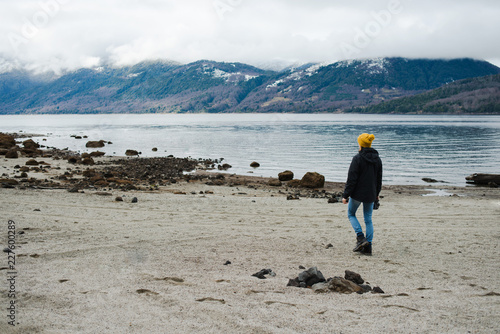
{"points": [[472, 96], [209, 86]]}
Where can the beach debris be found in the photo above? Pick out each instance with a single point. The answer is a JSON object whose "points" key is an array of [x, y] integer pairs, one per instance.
{"points": [[210, 299], [147, 292], [312, 180], [255, 164], [285, 176], [95, 144], [314, 279], [263, 273]]}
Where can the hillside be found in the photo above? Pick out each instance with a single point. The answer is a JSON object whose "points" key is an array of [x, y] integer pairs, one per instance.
{"points": [[472, 96], [208, 86]]}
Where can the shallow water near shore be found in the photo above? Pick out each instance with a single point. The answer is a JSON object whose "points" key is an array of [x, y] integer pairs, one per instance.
{"points": [[443, 147]]}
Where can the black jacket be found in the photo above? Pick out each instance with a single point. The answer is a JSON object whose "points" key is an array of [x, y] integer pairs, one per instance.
{"points": [[364, 180]]}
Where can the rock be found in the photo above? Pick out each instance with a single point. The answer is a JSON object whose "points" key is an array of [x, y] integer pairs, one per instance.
{"points": [[88, 161], [285, 176], [353, 277], [3, 151], [12, 154], [312, 180], [329, 246], [155, 149], [292, 197], [322, 287], [118, 199], [224, 167], [131, 153], [274, 183], [485, 179], [32, 162], [95, 144], [339, 284], [366, 288], [89, 173], [429, 180], [294, 183], [7, 141], [6, 185], [97, 154], [30, 144], [73, 190], [333, 200], [227, 263], [294, 282], [255, 164], [262, 274], [73, 160], [134, 200], [378, 290], [311, 276]]}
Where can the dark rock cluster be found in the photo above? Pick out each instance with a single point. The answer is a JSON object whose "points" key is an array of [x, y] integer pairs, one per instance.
{"points": [[314, 279]]}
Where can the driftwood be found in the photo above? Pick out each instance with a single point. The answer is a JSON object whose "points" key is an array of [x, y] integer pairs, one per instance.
{"points": [[483, 178]]}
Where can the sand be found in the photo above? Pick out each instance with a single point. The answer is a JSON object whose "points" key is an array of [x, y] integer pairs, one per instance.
{"points": [[88, 264]]}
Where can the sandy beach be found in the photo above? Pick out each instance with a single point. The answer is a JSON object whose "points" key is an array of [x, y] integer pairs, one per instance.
{"points": [[86, 263]]}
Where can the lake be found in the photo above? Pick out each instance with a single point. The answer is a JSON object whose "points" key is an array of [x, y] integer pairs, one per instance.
{"points": [[443, 147]]}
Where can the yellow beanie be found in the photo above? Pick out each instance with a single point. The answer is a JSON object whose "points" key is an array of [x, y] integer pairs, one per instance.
{"points": [[365, 140]]}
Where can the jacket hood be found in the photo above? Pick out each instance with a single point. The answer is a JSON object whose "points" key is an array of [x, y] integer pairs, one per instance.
{"points": [[369, 154]]}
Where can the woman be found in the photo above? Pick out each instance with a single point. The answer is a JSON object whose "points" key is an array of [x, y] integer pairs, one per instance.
{"points": [[364, 182]]}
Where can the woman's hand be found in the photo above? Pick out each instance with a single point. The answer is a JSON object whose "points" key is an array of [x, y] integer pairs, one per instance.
{"points": [[345, 201]]}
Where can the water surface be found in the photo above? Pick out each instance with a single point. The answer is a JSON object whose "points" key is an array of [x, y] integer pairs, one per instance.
{"points": [[446, 148]]}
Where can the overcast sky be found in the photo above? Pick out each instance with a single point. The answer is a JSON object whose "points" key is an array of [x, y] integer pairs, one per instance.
{"points": [[68, 34]]}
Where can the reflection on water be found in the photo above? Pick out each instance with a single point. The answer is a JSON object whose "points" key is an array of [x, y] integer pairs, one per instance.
{"points": [[445, 148]]}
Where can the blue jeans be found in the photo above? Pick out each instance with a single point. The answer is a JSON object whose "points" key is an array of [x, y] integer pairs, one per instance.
{"points": [[352, 207]]}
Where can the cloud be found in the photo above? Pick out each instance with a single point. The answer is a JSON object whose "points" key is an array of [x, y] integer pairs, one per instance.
{"points": [[67, 34]]}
